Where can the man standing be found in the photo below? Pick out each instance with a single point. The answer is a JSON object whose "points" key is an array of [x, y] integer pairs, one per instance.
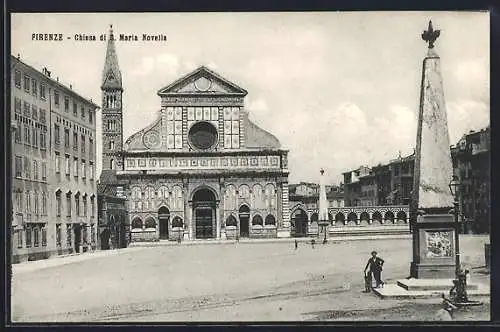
{"points": [[374, 267]]}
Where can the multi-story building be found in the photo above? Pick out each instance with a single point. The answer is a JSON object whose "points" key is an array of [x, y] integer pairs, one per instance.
{"points": [[392, 183], [53, 188], [471, 164]]}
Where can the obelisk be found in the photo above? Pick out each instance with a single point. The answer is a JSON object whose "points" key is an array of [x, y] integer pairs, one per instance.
{"points": [[433, 225], [323, 221]]}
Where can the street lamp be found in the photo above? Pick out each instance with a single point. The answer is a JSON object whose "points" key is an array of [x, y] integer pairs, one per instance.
{"points": [[454, 188]]}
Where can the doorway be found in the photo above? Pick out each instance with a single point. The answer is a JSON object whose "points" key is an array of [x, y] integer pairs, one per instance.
{"points": [[204, 203], [244, 216], [300, 221], [163, 217], [78, 236]]}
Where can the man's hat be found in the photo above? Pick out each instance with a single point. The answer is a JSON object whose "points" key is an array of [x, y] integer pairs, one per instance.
{"points": [[374, 252]]}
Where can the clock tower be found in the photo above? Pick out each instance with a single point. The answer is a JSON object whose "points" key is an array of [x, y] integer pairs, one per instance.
{"points": [[112, 111]]}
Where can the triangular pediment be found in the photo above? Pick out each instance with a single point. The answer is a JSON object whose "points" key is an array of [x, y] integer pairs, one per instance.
{"points": [[202, 81]]}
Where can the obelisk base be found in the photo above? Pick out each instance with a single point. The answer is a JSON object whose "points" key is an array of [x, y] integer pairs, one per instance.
{"points": [[433, 247]]}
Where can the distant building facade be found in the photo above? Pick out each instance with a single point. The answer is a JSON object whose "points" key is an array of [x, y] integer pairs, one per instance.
{"points": [[114, 226], [53, 149], [471, 158], [391, 184]]}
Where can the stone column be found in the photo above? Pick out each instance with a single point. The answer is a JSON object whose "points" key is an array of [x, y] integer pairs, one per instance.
{"points": [[432, 200], [221, 208], [189, 221]]}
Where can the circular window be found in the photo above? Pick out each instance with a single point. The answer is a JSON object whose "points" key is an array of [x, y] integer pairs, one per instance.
{"points": [[203, 135]]}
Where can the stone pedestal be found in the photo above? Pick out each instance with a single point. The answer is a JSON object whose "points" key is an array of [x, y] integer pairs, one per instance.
{"points": [[433, 247]]}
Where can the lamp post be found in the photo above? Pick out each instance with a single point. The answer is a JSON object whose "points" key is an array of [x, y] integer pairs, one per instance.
{"points": [[460, 284], [454, 187]]}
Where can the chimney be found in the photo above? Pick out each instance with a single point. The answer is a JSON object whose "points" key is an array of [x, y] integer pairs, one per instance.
{"points": [[57, 78], [71, 86], [18, 56]]}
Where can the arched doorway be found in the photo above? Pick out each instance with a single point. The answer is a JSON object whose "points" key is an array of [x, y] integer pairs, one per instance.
{"points": [[244, 215], [163, 218], [204, 203], [299, 218]]}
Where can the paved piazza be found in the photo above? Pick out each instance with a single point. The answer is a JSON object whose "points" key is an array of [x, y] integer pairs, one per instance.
{"points": [[226, 282]]}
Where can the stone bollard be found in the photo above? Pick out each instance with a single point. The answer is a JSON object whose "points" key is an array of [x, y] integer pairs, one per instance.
{"points": [[487, 254]]}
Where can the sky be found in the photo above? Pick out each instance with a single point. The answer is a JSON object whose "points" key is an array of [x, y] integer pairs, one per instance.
{"points": [[338, 89]]}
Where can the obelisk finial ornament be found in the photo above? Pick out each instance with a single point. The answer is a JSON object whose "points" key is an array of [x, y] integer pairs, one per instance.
{"points": [[430, 35]]}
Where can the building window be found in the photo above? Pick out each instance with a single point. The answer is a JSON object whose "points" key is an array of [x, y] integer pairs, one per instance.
{"points": [[85, 206], [27, 82], [44, 171], [27, 134], [42, 91], [75, 141], [92, 206], [57, 138], [43, 140], [18, 137], [68, 204], [77, 204], [91, 117], [75, 109], [35, 170], [91, 170], [19, 239], [58, 235], [36, 236], [112, 145], [17, 105], [44, 203], [35, 202], [112, 164], [83, 140], [58, 163], [28, 236], [75, 167], [17, 78], [27, 112], [28, 201], [34, 137], [66, 138], [27, 167], [91, 147], [19, 201], [19, 166], [66, 104], [42, 115], [83, 113], [84, 171], [34, 87], [56, 98], [67, 164], [58, 203]]}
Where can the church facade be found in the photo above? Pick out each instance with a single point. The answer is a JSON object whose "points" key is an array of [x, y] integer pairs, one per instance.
{"points": [[202, 169]]}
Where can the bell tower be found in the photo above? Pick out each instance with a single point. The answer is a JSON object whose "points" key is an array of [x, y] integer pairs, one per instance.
{"points": [[112, 111]]}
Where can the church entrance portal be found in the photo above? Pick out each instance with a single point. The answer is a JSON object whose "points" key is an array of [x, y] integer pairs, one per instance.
{"points": [[300, 221], [163, 218], [244, 215], [204, 204]]}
